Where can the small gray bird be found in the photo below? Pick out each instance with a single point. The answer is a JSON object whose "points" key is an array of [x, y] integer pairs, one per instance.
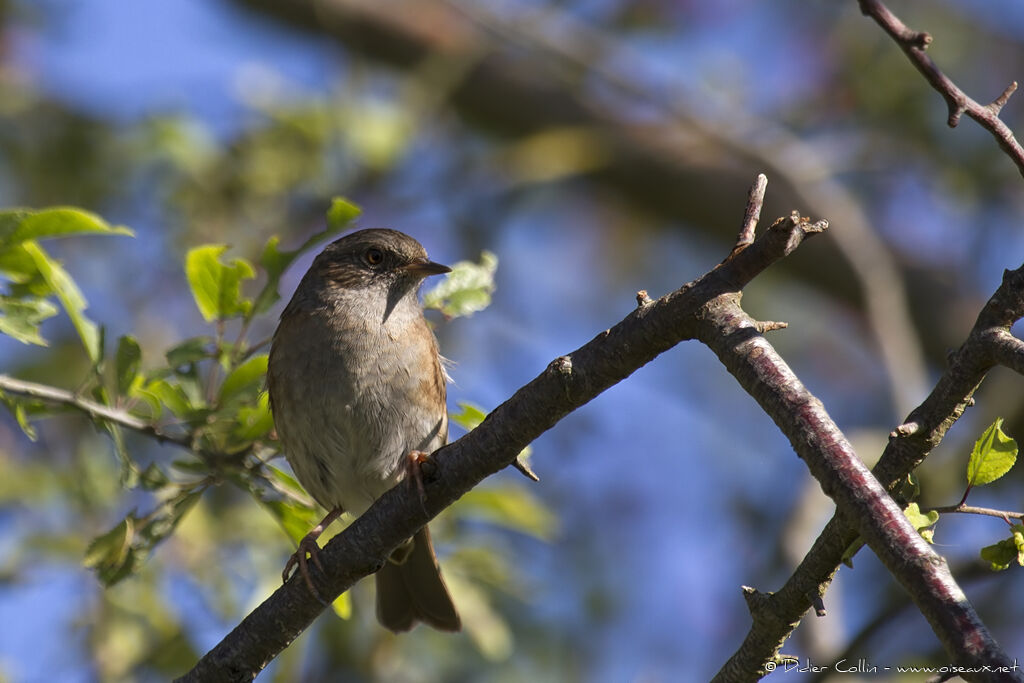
{"points": [[357, 388]]}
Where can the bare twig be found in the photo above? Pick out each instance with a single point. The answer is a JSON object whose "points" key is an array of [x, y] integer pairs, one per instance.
{"points": [[972, 510], [524, 468], [914, 43], [751, 215]]}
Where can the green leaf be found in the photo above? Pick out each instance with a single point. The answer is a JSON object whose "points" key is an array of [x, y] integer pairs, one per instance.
{"points": [[1000, 555], [10, 221], [922, 520], [17, 266], [465, 290], [21, 415], [993, 456], [170, 395], [129, 355], [342, 605], [70, 298], [469, 416], [510, 507], [20, 318], [254, 422], [288, 486], [19, 225], [216, 285], [111, 553], [248, 375], [189, 351], [295, 519], [341, 213]]}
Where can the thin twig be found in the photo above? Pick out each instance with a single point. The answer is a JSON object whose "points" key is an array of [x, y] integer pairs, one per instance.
{"points": [[973, 510], [751, 215], [913, 43], [97, 411]]}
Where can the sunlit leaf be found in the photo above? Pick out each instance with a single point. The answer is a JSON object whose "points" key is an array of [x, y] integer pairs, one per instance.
{"points": [[342, 605], [69, 295], [922, 520], [21, 415], [111, 553], [341, 213], [248, 375], [216, 286], [469, 416], [53, 222], [1008, 550], [170, 395], [18, 266], [20, 318], [465, 290], [254, 421], [296, 520], [992, 457]]}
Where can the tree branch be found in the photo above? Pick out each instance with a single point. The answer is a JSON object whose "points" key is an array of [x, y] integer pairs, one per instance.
{"points": [[859, 496], [974, 510], [908, 446], [914, 44], [97, 411], [707, 309], [569, 382]]}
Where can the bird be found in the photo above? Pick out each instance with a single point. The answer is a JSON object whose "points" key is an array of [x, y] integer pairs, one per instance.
{"points": [[358, 393]]}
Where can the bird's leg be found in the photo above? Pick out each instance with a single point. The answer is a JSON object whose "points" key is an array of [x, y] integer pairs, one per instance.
{"points": [[308, 546], [415, 466]]}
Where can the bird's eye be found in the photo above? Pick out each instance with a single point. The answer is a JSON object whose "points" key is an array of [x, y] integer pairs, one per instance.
{"points": [[374, 256]]}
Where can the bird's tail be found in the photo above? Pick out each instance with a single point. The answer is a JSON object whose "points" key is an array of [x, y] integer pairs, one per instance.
{"points": [[410, 589]]}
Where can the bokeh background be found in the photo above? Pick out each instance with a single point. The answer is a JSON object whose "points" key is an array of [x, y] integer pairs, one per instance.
{"points": [[598, 147]]}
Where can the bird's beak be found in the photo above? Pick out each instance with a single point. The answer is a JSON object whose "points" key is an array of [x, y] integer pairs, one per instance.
{"points": [[423, 267]]}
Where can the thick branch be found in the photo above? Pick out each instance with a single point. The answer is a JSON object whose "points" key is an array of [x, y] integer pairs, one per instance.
{"points": [[569, 382], [861, 499], [914, 44], [908, 445]]}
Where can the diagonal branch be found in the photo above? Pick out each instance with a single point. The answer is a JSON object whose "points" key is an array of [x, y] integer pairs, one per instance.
{"points": [[914, 44], [708, 309], [859, 496], [908, 446], [569, 382]]}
